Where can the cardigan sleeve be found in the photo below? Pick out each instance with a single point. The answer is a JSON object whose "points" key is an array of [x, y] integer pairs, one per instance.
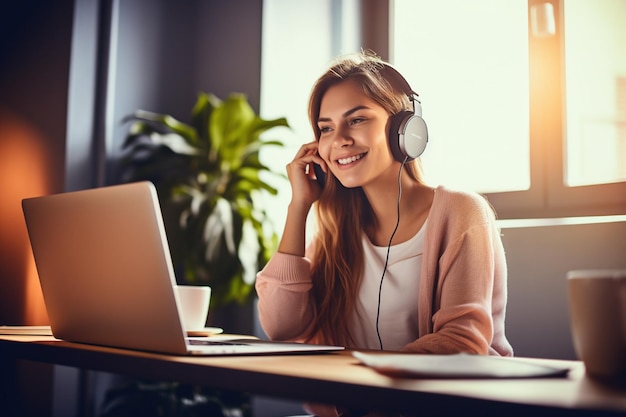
{"points": [[463, 277], [285, 305]]}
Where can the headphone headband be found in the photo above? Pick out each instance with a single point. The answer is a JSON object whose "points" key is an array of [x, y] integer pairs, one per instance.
{"points": [[408, 134], [390, 72]]}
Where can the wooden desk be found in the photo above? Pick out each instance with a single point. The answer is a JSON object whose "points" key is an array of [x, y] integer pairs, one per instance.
{"points": [[337, 378]]}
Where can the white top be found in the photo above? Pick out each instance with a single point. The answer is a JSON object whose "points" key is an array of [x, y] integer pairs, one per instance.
{"points": [[398, 306]]}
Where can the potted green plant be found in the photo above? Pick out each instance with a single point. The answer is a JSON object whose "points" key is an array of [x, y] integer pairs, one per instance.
{"points": [[209, 178]]}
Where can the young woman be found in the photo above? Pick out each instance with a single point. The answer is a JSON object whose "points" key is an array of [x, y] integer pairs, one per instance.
{"points": [[395, 264]]}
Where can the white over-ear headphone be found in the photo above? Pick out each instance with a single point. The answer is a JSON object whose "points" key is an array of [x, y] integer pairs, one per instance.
{"points": [[408, 133]]}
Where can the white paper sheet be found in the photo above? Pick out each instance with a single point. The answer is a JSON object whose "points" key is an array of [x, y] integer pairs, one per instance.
{"points": [[456, 366]]}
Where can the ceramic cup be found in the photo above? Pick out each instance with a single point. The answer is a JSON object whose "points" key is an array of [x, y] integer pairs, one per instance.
{"points": [[597, 304], [194, 303]]}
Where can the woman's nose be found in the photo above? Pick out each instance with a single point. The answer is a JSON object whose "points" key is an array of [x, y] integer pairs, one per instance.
{"points": [[342, 137]]}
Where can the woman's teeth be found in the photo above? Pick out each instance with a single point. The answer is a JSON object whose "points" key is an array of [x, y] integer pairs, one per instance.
{"points": [[345, 161]]}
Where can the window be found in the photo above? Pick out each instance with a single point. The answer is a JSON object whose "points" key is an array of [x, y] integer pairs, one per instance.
{"points": [[525, 100], [468, 61], [595, 85]]}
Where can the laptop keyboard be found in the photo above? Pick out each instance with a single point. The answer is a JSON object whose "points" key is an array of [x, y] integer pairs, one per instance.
{"points": [[200, 342], [220, 347]]}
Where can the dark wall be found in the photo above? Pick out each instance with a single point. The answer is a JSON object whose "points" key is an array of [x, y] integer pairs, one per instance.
{"points": [[70, 71], [35, 43], [166, 52], [35, 39]]}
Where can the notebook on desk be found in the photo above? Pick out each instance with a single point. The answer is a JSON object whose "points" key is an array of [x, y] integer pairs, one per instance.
{"points": [[107, 278]]}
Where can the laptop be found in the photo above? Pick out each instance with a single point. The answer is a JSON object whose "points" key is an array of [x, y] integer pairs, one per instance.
{"points": [[107, 278]]}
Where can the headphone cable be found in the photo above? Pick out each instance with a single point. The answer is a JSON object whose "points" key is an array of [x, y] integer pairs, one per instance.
{"points": [[380, 286]]}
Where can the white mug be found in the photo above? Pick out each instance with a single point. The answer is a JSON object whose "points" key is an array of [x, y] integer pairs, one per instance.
{"points": [[194, 305], [597, 303]]}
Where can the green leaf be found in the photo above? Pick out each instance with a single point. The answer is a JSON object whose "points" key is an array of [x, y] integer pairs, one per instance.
{"points": [[228, 121], [175, 142], [201, 114], [248, 250], [165, 120], [261, 125], [219, 226]]}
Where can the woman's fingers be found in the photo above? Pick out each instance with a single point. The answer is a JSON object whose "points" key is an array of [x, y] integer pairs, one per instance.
{"points": [[307, 155], [302, 175]]}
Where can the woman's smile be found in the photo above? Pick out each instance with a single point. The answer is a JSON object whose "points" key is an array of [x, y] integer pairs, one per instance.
{"points": [[350, 160]]}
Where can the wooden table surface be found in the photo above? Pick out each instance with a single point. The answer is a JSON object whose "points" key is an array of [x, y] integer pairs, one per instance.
{"points": [[339, 378]]}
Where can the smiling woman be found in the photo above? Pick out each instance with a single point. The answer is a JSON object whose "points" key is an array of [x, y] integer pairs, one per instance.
{"points": [[372, 276]]}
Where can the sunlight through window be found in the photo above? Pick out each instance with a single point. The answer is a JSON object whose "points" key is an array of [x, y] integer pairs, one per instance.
{"points": [[595, 77], [468, 61]]}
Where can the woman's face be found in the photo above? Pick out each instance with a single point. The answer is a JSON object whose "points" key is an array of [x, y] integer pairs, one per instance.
{"points": [[353, 139]]}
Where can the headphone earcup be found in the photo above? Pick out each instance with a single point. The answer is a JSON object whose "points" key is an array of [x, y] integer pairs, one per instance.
{"points": [[408, 135]]}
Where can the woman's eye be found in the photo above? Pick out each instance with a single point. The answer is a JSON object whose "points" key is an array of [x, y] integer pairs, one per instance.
{"points": [[357, 120], [324, 129]]}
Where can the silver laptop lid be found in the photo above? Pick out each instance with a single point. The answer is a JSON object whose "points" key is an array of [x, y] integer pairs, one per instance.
{"points": [[105, 267]]}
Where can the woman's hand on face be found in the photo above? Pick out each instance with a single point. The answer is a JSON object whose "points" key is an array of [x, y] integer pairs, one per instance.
{"points": [[304, 188]]}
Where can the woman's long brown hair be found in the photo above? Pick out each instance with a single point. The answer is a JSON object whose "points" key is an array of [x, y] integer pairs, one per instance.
{"points": [[343, 213]]}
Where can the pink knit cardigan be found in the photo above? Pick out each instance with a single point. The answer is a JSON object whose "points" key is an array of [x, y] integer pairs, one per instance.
{"points": [[463, 288]]}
